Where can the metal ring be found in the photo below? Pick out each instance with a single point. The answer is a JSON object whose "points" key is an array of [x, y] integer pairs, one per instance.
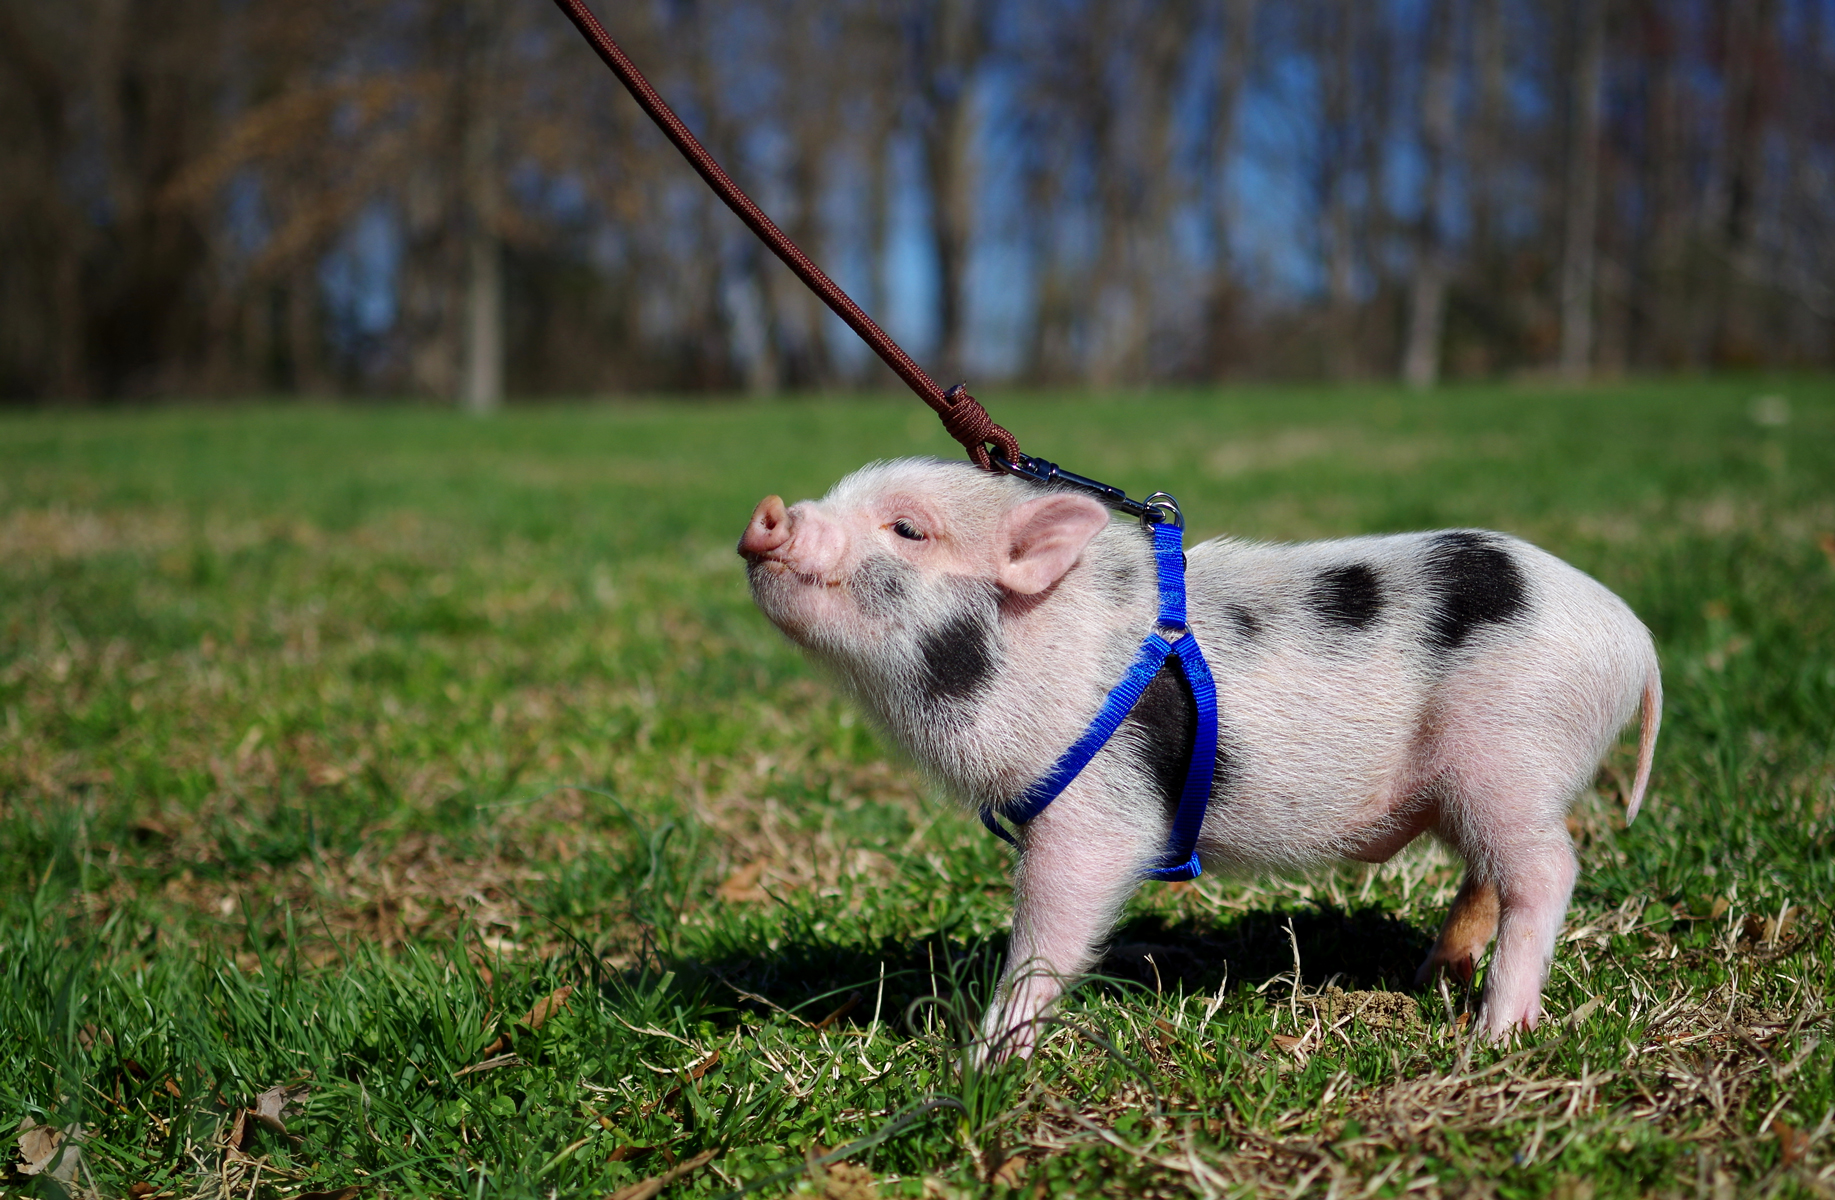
{"points": [[1167, 504]]}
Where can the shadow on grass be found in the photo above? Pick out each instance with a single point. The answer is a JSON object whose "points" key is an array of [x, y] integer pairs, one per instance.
{"points": [[812, 977], [1358, 948]]}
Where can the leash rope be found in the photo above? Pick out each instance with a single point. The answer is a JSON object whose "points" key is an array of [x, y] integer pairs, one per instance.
{"points": [[1171, 641], [993, 449], [962, 415]]}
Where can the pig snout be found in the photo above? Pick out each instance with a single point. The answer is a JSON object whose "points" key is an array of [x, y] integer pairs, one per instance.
{"points": [[769, 529]]}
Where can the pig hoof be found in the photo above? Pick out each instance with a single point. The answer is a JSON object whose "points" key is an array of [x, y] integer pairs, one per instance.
{"points": [[1500, 1027], [1464, 969], [991, 1050]]}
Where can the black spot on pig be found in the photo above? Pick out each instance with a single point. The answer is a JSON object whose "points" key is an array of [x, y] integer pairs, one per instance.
{"points": [[1477, 583], [1247, 623], [1350, 595], [881, 585], [957, 659], [1163, 728], [1120, 583]]}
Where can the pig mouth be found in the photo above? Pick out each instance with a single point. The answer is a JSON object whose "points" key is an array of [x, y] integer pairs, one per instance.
{"points": [[778, 569]]}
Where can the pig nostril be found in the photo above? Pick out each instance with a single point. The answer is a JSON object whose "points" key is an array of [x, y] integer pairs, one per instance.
{"points": [[767, 529]]}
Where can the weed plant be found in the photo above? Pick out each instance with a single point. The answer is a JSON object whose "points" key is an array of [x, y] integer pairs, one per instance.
{"points": [[441, 772]]}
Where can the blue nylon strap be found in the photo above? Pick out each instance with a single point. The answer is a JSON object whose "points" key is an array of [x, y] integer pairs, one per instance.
{"points": [[1169, 559], [1180, 860], [1115, 708]]}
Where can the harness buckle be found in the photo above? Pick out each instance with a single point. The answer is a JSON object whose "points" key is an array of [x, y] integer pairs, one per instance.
{"points": [[1162, 509]]}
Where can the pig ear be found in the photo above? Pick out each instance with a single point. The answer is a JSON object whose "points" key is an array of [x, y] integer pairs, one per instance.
{"points": [[1040, 540]]}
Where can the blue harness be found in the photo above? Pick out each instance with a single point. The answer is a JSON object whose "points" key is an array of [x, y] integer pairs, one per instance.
{"points": [[1171, 639]]}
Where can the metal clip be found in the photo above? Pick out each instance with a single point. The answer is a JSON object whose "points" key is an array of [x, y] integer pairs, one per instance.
{"points": [[1167, 507], [1157, 509]]}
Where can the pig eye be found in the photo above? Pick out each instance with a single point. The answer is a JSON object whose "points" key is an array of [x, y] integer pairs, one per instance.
{"points": [[906, 529]]}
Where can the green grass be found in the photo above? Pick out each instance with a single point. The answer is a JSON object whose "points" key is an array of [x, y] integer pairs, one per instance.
{"points": [[332, 740]]}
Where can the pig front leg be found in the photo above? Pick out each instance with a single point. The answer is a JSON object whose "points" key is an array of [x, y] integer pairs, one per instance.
{"points": [[1080, 861]]}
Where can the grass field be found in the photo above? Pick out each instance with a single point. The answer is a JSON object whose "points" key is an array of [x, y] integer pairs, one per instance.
{"points": [[337, 744]]}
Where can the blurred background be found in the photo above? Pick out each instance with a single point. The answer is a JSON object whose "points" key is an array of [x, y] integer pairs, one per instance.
{"points": [[453, 199]]}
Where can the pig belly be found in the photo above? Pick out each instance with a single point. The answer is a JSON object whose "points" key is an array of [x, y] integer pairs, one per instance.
{"points": [[1327, 758]]}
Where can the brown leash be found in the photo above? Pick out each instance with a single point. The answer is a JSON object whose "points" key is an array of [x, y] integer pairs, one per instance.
{"points": [[961, 413]]}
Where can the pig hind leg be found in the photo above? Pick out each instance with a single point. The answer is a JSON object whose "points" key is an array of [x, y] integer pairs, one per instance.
{"points": [[1469, 928], [1511, 828]]}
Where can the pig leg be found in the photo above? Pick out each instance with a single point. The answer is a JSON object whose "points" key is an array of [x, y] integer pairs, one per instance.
{"points": [[1468, 930], [1081, 860], [1535, 878]]}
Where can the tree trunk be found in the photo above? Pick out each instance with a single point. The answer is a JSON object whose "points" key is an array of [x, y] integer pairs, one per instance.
{"points": [[481, 368], [1579, 256], [1748, 26], [1486, 144], [482, 385], [1666, 336], [305, 352], [1337, 153], [1232, 74], [1427, 290], [957, 41], [1155, 271]]}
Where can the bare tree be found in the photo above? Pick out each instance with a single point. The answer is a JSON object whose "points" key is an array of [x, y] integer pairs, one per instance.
{"points": [[948, 40], [1237, 27], [1580, 252], [1427, 291], [478, 102], [451, 197]]}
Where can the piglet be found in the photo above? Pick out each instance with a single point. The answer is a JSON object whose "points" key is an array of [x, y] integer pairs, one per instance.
{"points": [[1462, 683]]}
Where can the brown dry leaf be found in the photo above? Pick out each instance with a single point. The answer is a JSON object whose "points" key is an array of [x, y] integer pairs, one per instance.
{"points": [[627, 1151], [701, 1068], [646, 1188], [547, 1007], [343, 1193], [1793, 1144], [741, 887], [46, 1149], [694, 1072], [237, 1136], [272, 1106], [37, 1146], [137, 1191], [847, 1006], [532, 1020], [1011, 1173]]}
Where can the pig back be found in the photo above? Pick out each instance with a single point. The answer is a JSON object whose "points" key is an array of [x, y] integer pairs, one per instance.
{"points": [[1350, 673]]}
